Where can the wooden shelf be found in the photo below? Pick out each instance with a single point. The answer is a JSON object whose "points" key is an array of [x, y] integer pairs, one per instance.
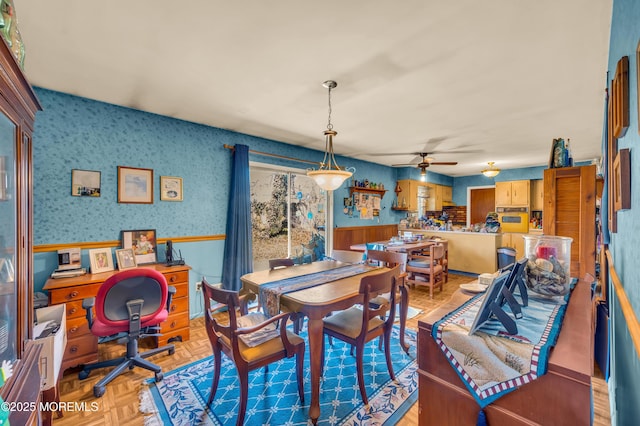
{"points": [[401, 209], [380, 192]]}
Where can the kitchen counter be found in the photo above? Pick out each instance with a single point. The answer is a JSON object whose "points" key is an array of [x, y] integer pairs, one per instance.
{"points": [[473, 252]]}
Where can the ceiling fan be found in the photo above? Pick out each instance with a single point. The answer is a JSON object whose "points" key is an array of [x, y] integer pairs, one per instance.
{"points": [[426, 162]]}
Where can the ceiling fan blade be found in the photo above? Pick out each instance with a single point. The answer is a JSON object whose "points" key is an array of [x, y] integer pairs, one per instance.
{"points": [[404, 165], [443, 163]]}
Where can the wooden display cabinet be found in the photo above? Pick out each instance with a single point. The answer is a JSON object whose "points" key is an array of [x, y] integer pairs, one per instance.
{"points": [[570, 211], [18, 106]]}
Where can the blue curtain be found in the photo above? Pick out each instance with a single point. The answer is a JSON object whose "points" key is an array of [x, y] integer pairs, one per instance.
{"points": [[238, 255]]}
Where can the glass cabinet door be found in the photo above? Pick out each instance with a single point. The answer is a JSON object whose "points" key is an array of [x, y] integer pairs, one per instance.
{"points": [[8, 241]]}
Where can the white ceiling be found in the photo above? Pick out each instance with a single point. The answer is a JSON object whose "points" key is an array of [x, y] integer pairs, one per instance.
{"points": [[500, 78]]}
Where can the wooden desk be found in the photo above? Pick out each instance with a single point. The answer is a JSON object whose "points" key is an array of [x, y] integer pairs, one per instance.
{"points": [[82, 346], [316, 303], [561, 396]]}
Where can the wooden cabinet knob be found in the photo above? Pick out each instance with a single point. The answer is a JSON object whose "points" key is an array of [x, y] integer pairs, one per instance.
{"points": [[173, 308], [173, 278], [72, 295], [173, 324], [73, 311], [73, 349], [73, 330]]}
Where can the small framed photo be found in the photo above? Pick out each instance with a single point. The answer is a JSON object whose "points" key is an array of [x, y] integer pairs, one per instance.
{"points": [[143, 243], [101, 260], [135, 185], [170, 188], [126, 259], [85, 183]]}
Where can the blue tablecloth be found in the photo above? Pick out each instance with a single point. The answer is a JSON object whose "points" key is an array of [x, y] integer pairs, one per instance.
{"points": [[492, 363]]}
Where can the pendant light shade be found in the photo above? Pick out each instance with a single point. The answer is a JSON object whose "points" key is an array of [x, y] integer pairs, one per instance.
{"points": [[329, 175], [491, 171]]}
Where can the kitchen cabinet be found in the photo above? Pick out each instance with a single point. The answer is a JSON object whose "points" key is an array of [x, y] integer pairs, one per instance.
{"points": [[515, 241], [434, 202], [408, 195], [537, 195], [512, 193], [447, 196]]}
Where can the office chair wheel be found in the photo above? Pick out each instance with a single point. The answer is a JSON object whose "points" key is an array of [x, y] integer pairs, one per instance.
{"points": [[98, 391], [83, 375], [159, 376]]}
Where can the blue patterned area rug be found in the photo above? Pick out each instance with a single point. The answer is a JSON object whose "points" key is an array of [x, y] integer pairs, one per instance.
{"points": [[273, 398]]}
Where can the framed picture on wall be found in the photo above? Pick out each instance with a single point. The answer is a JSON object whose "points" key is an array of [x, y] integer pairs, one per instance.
{"points": [[170, 188], [101, 260], [126, 259], [143, 243], [135, 185], [85, 183]]}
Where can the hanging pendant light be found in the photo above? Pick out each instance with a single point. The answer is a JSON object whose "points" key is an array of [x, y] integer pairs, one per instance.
{"points": [[491, 171], [329, 176]]}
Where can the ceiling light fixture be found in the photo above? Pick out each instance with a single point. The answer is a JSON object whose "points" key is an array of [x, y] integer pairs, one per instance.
{"points": [[423, 174], [491, 171], [329, 176]]}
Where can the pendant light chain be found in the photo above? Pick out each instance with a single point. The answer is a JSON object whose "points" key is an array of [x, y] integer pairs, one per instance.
{"points": [[329, 125]]}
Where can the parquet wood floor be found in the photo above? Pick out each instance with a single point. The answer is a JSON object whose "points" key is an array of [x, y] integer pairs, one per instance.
{"points": [[120, 404]]}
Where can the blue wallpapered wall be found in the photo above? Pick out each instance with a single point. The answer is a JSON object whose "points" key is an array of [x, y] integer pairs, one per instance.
{"points": [[625, 361], [78, 133]]}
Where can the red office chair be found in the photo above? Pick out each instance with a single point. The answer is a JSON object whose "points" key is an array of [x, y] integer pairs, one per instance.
{"points": [[129, 304]]}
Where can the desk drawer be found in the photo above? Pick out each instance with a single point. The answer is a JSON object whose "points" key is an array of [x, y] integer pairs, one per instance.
{"points": [[68, 294], [174, 278], [178, 305], [77, 327], [83, 345], [180, 320], [75, 310], [182, 290]]}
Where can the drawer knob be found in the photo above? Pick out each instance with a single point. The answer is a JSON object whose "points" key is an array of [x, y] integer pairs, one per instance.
{"points": [[173, 308], [173, 278], [73, 349], [73, 311], [73, 330], [173, 324], [72, 295]]}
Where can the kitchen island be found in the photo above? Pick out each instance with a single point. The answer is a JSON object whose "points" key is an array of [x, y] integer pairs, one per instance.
{"points": [[473, 252]]}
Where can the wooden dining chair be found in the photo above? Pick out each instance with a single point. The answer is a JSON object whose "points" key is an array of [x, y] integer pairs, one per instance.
{"points": [[391, 259], [250, 340], [358, 326], [280, 263], [427, 270], [347, 256]]}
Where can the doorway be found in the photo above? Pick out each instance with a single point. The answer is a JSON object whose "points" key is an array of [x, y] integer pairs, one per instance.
{"points": [[482, 200]]}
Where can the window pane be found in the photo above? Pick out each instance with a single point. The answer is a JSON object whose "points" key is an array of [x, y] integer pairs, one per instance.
{"points": [[288, 216]]}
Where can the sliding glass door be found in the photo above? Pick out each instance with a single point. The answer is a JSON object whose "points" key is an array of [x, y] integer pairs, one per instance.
{"points": [[288, 212]]}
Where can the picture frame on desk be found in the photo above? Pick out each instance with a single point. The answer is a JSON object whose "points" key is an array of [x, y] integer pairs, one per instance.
{"points": [[101, 260], [143, 242], [126, 259], [135, 185]]}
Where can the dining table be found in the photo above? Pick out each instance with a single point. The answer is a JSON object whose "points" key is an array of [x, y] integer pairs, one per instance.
{"points": [[315, 302]]}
